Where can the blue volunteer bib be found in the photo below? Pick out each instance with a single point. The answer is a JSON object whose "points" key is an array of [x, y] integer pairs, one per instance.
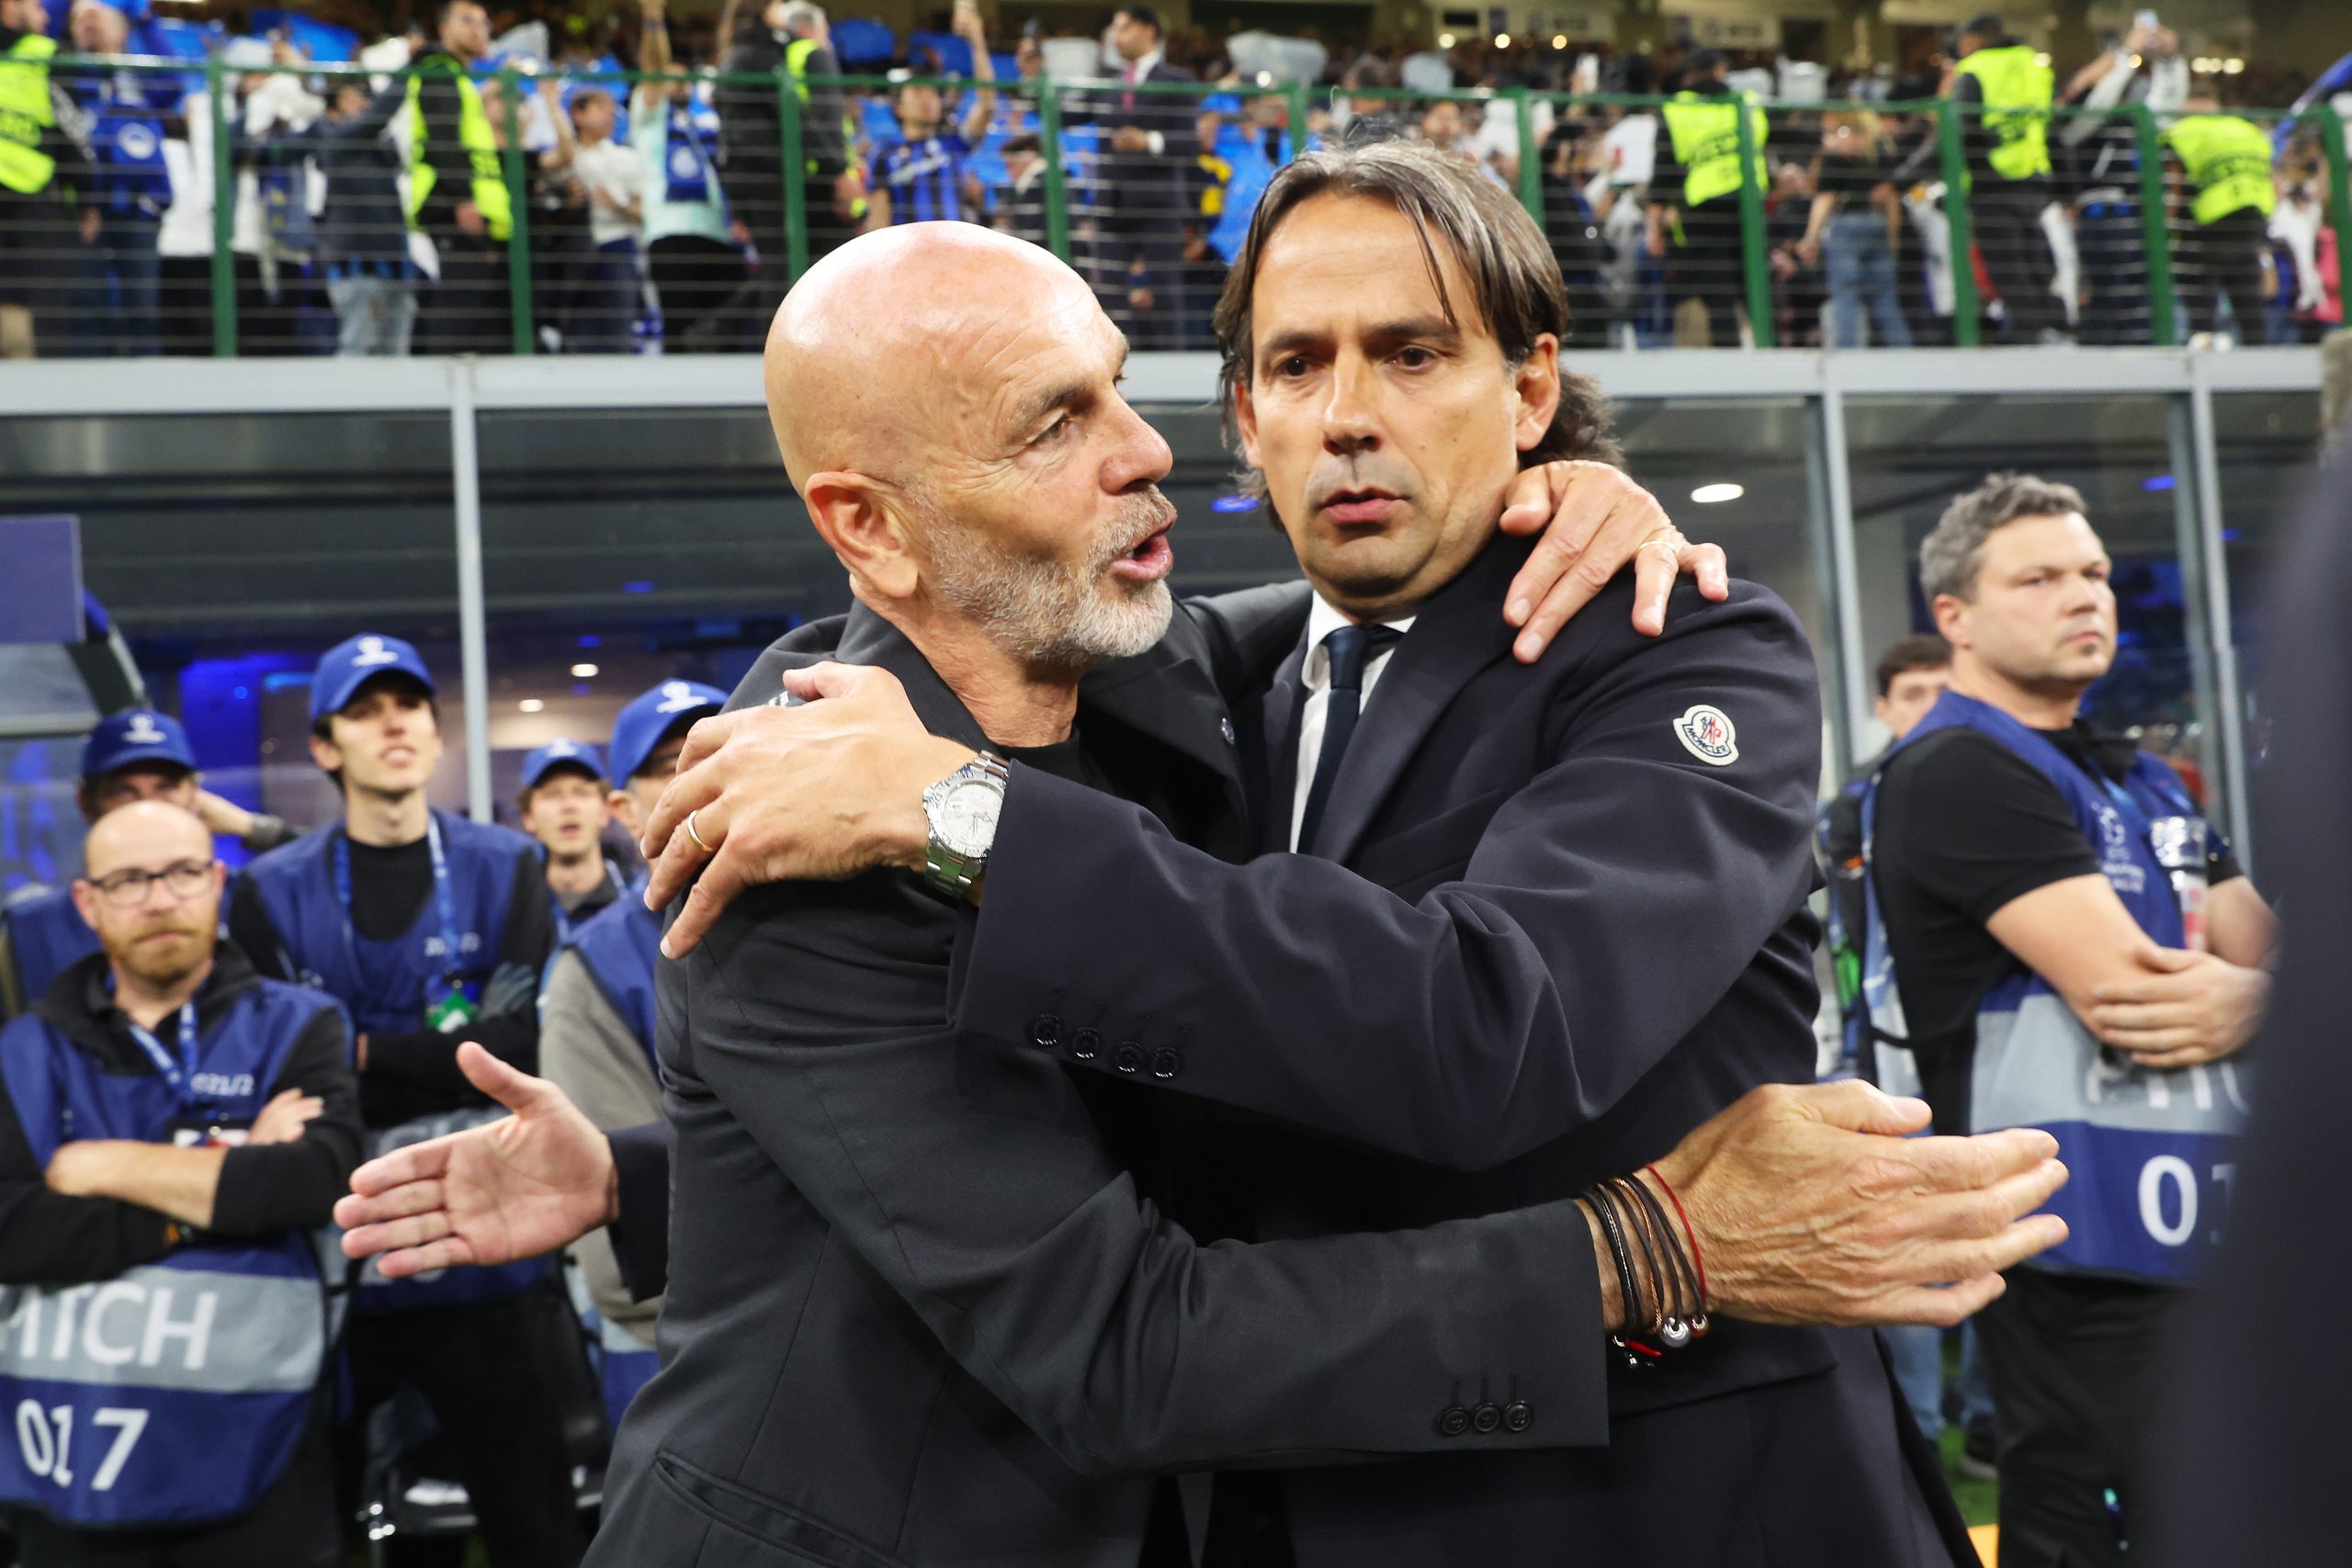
{"points": [[437, 967], [618, 945], [176, 1393], [2151, 1152]]}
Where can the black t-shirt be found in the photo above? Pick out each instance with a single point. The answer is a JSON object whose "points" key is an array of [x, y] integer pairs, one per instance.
{"points": [[1851, 180], [1966, 825]]}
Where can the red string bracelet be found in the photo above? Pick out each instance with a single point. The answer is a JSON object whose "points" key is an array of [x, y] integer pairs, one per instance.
{"points": [[1697, 1262]]}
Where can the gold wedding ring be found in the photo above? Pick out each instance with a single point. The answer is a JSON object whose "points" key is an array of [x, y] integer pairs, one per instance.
{"points": [[697, 837]]}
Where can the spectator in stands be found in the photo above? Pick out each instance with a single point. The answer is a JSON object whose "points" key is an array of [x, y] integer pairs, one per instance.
{"points": [[611, 177], [172, 1125], [1694, 198], [121, 268], [44, 182], [1855, 226], [1369, 118], [363, 235], [1146, 176], [458, 194], [2226, 197], [769, 36], [695, 264], [2006, 93], [1022, 212], [923, 176], [2101, 153]]}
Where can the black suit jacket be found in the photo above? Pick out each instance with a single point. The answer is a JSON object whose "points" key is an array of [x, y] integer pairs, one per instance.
{"points": [[918, 1311], [1550, 937]]}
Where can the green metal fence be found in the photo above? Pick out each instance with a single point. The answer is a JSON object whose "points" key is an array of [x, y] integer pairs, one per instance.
{"points": [[1074, 197]]}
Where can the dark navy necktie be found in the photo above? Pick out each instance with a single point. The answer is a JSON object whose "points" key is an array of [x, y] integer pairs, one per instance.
{"points": [[1350, 649]]}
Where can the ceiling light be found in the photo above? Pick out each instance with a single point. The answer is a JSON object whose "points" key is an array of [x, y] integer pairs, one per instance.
{"points": [[530, 704], [583, 672], [1559, 40], [1445, 40], [2232, 67], [1707, 495], [1502, 40]]}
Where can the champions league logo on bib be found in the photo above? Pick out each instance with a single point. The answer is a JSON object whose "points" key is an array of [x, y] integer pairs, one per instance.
{"points": [[373, 651], [1707, 734]]}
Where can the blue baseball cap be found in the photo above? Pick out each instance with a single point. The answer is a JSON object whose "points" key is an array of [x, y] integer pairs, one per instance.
{"points": [[139, 735], [642, 724], [352, 662], [561, 754]]}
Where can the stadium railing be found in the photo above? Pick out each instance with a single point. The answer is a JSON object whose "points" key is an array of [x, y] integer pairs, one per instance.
{"points": [[1164, 234]]}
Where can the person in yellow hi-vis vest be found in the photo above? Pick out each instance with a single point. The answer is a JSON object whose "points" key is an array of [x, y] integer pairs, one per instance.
{"points": [[2223, 213], [2008, 139], [1694, 192], [791, 40], [458, 195], [44, 177]]}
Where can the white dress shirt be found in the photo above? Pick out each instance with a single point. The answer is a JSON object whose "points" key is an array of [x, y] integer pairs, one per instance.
{"points": [[1322, 620]]}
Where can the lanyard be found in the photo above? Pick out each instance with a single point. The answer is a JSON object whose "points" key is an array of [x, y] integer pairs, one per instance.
{"points": [[444, 901], [175, 1073]]}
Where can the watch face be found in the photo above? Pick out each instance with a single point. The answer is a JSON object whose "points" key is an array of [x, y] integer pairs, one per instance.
{"points": [[966, 822]]}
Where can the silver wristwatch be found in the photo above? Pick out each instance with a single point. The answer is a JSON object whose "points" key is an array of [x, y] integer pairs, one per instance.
{"points": [[962, 808]]}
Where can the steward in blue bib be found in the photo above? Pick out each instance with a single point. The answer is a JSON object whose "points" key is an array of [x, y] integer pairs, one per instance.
{"points": [[2150, 1150], [160, 1375], [413, 993]]}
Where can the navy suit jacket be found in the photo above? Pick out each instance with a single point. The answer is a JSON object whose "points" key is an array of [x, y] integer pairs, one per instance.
{"points": [[1557, 919]]}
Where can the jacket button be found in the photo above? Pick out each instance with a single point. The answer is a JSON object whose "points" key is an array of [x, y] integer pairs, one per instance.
{"points": [[1129, 1057], [1166, 1062], [1084, 1044], [1518, 1415], [1453, 1422], [1046, 1030], [1486, 1417]]}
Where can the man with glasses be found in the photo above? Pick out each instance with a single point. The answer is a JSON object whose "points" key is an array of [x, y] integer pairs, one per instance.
{"points": [[429, 927], [597, 1017], [139, 754], [174, 1129]]}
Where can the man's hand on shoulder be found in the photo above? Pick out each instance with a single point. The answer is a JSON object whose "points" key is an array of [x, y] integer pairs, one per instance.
{"points": [[1813, 1204], [1594, 520], [820, 791]]}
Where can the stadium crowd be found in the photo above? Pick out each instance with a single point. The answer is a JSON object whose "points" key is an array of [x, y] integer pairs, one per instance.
{"points": [[371, 213]]}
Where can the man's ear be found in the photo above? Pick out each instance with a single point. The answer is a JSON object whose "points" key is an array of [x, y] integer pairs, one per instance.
{"points": [[1537, 384], [86, 902], [621, 806], [1245, 420], [862, 528], [325, 752], [1950, 612]]}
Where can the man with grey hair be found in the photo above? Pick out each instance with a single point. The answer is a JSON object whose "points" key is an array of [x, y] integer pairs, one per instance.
{"points": [[2058, 938]]}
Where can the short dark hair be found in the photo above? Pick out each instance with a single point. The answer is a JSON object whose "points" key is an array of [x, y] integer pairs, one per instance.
{"points": [[1926, 651], [1949, 556], [1988, 26], [1705, 63], [1030, 143], [1514, 278], [1143, 16]]}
